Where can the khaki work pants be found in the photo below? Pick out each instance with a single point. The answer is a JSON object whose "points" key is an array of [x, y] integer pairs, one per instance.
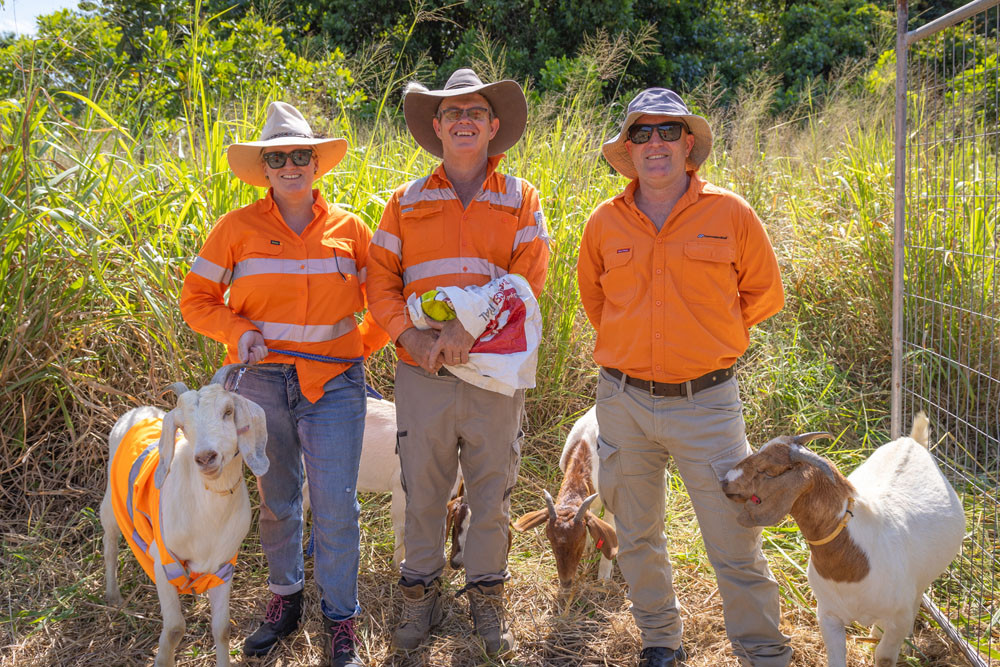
{"points": [[705, 435], [441, 420]]}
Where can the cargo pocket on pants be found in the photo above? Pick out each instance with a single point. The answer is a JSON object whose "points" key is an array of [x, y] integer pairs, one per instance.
{"points": [[608, 475], [513, 466], [402, 477]]}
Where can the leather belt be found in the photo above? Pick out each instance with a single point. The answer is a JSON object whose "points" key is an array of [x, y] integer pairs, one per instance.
{"points": [[707, 380]]}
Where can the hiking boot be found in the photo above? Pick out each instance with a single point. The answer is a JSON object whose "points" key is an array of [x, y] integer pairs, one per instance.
{"points": [[343, 644], [486, 607], [421, 612], [280, 620], [661, 656]]}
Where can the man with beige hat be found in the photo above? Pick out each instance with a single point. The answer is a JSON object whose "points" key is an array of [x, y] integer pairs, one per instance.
{"points": [[465, 224], [673, 272]]}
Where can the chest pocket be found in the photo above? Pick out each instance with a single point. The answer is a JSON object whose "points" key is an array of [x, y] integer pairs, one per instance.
{"points": [[709, 275], [618, 280], [338, 262], [493, 235], [421, 230]]}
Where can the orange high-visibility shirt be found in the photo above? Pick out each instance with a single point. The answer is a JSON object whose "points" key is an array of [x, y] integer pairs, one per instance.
{"points": [[136, 503], [300, 291], [427, 240], [674, 305]]}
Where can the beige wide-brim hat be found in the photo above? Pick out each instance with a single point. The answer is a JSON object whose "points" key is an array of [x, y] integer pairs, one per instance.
{"points": [[284, 126], [657, 102], [420, 105]]}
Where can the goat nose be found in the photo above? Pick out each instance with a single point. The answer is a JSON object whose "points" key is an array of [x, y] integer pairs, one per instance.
{"points": [[205, 459]]}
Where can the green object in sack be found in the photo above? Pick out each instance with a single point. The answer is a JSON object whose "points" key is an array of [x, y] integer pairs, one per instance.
{"points": [[436, 306]]}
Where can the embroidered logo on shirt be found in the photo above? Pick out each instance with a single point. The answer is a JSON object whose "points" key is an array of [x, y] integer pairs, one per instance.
{"points": [[709, 236], [275, 242]]}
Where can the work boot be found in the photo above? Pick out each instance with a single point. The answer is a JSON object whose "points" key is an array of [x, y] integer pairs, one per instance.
{"points": [[280, 620], [343, 644], [421, 612], [661, 656], [486, 607]]}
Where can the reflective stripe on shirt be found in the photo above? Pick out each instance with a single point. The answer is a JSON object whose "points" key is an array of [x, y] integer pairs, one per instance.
{"points": [[416, 193], [305, 333], [511, 196], [390, 242], [452, 265], [211, 271], [259, 265]]}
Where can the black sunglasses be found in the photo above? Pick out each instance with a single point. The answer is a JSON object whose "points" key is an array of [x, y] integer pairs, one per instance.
{"points": [[640, 134], [300, 158]]}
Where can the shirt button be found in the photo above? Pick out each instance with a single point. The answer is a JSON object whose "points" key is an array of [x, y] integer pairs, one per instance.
{"points": [[659, 367], [302, 266], [657, 334], [659, 271], [659, 241], [464, 269], [659, 303]]}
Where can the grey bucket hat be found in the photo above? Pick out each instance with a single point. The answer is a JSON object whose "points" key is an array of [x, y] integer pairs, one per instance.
{"points": [[506, 97], [285, 126], [659, 102]]}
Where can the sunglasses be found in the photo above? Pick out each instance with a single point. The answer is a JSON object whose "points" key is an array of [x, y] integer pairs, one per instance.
{"points": [[640, 134], [476, 114], [300, 158]]}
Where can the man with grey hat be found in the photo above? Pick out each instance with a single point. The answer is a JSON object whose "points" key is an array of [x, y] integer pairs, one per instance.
{"points": [[464, 224], [673, 272]]}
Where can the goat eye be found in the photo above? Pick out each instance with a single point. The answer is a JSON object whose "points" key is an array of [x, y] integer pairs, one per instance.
{"points": [[228, 412]]}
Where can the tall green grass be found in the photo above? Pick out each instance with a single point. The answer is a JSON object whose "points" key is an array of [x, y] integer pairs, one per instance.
{"points": [[101, 216]]}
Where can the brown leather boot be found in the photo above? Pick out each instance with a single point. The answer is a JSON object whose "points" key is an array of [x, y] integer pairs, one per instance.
{"points": [[421, 612], [486, 606]]}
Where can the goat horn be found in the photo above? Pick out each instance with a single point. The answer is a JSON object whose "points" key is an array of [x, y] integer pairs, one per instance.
{"points": [[176, 387], [551, 504], [800, 454], [809, 437], [583, 508], [222, 374]]}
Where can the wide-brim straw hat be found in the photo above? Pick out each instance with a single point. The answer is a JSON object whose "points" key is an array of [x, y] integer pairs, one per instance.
{"points": [[657, 102], [284, 126], [420, 105]]}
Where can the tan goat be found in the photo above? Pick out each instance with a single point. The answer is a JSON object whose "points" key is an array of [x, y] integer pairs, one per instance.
{"points": [[569, 519]]}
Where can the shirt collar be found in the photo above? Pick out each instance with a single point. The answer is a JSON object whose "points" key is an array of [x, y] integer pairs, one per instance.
{"points": [[695, 188], [492, 162], [267, 204]]}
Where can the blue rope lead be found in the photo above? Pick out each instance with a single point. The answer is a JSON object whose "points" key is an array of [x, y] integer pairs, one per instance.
{"points": [[370, 390]]}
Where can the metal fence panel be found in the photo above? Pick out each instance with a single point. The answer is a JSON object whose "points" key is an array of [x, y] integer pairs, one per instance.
{"points": [[946, 353]]}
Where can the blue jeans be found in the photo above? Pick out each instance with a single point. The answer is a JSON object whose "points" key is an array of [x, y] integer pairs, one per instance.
{"points": [[327, 436]]}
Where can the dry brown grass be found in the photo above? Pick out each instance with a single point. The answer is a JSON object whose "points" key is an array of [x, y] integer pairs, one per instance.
{"points": [[52, 587]]}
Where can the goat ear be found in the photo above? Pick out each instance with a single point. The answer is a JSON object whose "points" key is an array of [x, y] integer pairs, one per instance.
{"points": [[603, 534], [168, 436], [251, 434], [530, 520]]}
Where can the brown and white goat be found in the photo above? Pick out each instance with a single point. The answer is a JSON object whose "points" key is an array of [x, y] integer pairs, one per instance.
{"points": [[203, 512], [878, 538], [459, 517], [569, 518]]}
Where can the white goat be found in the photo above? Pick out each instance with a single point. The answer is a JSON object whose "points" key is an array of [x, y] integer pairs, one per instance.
{"points": [[569, 518], [194, 507], [878, 538], [379, 469]]}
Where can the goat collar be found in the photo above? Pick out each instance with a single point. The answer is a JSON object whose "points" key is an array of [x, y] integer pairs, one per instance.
{"points": [[840, 526], [225, 492]]}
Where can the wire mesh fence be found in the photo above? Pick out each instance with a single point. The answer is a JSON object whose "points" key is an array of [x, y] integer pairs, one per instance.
{"points": [[947, 354]]}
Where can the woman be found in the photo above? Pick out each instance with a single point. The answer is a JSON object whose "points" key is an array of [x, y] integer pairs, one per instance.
{"points": [[294, 266]]}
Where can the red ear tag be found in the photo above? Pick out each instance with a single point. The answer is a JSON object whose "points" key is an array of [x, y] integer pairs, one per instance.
{"points": [[600, 543], [754, 499]]}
